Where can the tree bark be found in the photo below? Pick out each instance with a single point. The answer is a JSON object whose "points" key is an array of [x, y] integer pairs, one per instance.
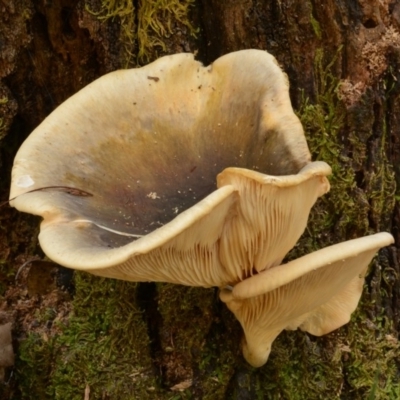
{"points": [[343, 63]]}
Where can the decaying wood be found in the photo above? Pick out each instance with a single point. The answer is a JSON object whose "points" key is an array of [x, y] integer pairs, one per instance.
{"points": [[346, 51]]}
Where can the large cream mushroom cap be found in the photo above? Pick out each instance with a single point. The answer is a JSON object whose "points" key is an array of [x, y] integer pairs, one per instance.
{"points": [[131, 161], [317, 292], [210, 244]]}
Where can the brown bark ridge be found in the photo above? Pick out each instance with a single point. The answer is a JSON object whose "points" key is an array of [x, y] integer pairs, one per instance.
{"points": [[94, 338]]}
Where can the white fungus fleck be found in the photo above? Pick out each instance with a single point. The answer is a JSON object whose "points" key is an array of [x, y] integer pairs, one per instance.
{"points": [[24, 181]]}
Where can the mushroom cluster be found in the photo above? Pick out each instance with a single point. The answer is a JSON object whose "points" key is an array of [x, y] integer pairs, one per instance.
{"points": [[177, 172]]}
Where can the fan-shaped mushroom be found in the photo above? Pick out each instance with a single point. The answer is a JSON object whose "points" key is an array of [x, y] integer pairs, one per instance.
{"points": [[130, 165], [317, 292]]}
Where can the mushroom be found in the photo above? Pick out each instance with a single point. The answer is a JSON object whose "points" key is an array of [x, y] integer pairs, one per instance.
{"points": [[317, 293], [124, 172]]}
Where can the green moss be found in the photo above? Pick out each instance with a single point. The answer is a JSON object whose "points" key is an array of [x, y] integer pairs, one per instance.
{"points": [[34, 365], [381, 182], [315, 24], [186, 313], [103, 345], [145, 29], [371, 365], [194, 340], [345, 211], [345, 208], [359, 361]]}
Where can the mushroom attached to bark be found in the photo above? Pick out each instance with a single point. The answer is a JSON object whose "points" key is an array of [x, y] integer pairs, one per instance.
{"points": [[130, 165], [316, 293]]}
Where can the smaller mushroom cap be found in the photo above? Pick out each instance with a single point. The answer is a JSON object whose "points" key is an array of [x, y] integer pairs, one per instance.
{"points": [[317, 292], [270, 216]]}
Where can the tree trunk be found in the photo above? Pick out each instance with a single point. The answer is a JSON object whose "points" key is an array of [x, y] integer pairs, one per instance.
{"points": [[95, 338]]}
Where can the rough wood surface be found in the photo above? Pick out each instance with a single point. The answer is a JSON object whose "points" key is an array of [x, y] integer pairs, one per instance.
{"points": [[343, 63]]}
